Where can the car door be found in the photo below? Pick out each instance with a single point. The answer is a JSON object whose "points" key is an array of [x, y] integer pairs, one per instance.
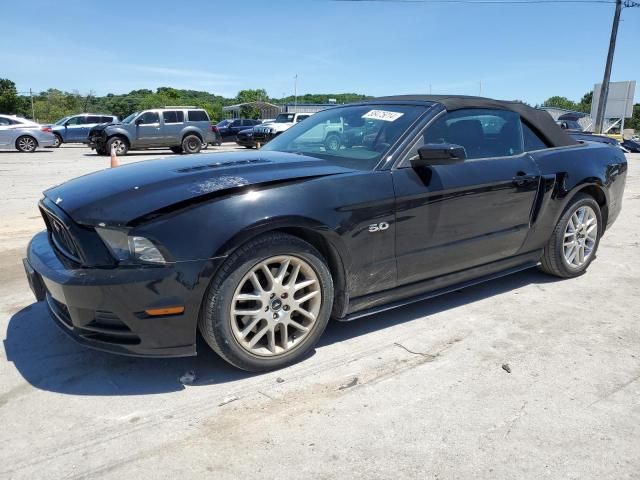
{"points": [[5, 132], [173, 121], [75, 129], [458, 216], [148, 129]]}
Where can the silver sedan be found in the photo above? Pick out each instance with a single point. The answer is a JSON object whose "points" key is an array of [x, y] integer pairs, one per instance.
{"points": [[23, 135]]}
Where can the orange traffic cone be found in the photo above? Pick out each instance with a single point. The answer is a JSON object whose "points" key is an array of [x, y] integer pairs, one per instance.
{"points": [[114, 157]]}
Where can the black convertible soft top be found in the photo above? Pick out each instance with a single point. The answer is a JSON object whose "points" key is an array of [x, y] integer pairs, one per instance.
{"points": [[539, 120]]}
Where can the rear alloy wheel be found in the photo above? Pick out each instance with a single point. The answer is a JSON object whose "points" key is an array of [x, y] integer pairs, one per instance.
{"points": [[26, 144], [121, 146], [191, 144], [57, 141], [573, 244], [269, 304]]}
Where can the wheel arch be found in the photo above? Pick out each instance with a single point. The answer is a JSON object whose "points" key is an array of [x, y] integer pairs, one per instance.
{"points": [[15, 144], [122, 135], [597, 192], [186, 133], [328, 244]]}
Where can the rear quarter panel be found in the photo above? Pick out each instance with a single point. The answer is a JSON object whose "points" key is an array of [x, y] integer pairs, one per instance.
{"points": [[565, 172]]}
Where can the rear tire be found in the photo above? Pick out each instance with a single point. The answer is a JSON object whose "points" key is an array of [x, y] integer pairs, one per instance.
{"points": [[26, 144], [191, 144], [575, 239], [281, 323]]}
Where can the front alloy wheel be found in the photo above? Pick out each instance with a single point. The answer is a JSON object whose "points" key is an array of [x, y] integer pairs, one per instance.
{"points": [[269, 303], [275, 305]]}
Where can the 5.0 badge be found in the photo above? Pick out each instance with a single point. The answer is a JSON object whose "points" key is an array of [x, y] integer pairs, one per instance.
{"points": [[378, 227]]}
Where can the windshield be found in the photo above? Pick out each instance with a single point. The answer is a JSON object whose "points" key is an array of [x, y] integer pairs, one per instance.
{"points": [[62, 120], [285, 118], [130, 118], [224, 123], [353, 136]]}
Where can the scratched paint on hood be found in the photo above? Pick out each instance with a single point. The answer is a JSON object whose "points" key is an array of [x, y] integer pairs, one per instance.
{"points": [[218, 183]]}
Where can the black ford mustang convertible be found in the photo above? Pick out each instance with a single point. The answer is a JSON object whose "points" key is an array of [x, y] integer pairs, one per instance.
{"points": [[417, 196]]}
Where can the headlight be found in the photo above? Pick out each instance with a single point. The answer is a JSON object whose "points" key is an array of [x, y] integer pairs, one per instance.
{"points": [[272, 130], [125, 248], [144, 250]]}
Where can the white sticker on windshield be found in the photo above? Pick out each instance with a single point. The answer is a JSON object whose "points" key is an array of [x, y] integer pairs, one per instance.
{"points": [[382, 115]]}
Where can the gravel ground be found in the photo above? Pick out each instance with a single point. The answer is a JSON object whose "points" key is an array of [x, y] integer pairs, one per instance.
{"points": [[418, 392]]}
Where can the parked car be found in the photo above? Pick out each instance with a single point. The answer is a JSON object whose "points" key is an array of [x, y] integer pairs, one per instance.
{"points": [[245, 138], [182, 129], [283, 122], [259, 250], [215, 137], [75, 129], [23, 135], [631, 145], [230, 128]]}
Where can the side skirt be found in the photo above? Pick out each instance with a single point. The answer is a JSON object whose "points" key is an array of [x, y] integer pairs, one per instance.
{"points": [[407, 294]]}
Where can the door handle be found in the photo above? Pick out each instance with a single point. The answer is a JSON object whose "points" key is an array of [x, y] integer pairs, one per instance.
{"points": [[521, 179]]}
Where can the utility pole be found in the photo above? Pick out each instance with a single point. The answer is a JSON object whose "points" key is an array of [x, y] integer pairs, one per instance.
{"points": [[33, 110], [604, 89], [295, 92]]}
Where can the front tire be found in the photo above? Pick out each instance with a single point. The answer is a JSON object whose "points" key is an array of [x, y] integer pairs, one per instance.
{"points": [[269, 303], [121, 145], [191, 144], [57, 141], [332, 143], [177, 150], [575, 239], [26, 144]]}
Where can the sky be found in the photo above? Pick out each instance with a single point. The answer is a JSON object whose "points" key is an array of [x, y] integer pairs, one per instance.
{"points": [[526, 52]]}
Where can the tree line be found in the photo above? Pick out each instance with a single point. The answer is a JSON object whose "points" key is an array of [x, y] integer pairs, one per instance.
{"points": [[53, 104]]}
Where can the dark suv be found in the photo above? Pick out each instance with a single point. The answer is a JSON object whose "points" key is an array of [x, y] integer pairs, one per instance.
{"points": [[230, 128]]}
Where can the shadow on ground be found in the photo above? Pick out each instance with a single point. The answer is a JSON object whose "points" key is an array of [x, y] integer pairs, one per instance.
{"points": [[49, 360]]}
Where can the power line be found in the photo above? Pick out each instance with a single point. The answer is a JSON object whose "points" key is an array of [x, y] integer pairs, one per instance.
{"points": [[494, 2]]}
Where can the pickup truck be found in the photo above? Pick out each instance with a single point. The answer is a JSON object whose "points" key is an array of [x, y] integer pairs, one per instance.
{"points": [[284, 121]]}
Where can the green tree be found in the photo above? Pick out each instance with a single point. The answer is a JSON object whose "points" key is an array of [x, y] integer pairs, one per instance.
{"points": [[8, 96], [560, 102], [634, 122], [248, 96]]}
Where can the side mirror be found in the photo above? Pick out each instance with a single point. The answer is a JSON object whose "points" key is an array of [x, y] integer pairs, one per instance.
{"points": [[439, 154], [138, 121]]}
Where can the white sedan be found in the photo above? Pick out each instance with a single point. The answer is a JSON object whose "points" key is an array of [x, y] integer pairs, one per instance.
{"points": [[24, 135]]}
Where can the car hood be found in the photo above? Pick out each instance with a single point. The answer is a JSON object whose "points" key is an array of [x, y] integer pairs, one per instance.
{"points": [[101, 126], [118, 196]]}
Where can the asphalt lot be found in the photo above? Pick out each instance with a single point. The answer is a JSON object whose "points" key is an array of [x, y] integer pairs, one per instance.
{"points": [[418, 392]]}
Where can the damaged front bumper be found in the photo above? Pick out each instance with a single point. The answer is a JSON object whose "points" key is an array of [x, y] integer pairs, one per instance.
{"points": [[105, 308]]}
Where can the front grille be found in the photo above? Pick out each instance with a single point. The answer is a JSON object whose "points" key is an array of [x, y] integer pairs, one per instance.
{"points": [[60, 235]]}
